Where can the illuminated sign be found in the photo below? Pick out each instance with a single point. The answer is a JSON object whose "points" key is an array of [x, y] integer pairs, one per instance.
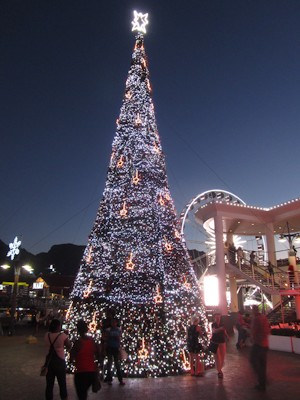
{"points": [[38, 285]]}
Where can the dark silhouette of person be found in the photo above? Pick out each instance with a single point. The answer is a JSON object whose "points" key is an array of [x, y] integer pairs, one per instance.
{"points": [[231, 254], [57, 366], [252, 259], [260, 330], [270, 269]]}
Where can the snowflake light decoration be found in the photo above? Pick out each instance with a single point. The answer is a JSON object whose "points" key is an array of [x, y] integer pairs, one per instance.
{"points": [[140, 21], [14, 248]]}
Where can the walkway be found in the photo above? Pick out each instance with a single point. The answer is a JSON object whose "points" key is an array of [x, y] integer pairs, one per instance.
{"points": [[20, 380]]}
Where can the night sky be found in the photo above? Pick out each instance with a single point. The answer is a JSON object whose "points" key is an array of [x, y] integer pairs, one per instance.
{"points": [[226, 87]]}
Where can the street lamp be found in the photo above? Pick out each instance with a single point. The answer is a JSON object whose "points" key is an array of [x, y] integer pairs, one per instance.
{"points": [[13, 251]]}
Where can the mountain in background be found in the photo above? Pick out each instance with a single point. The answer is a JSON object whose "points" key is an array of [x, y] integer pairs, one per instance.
{"points": [[65, 258]]}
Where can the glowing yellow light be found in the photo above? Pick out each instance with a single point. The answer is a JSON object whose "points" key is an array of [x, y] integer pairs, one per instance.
{"points": [[168, 246], [138, 120], [130, 264], [161, 200], [120, 162], [143, 352], [89, 256], [143, 61], [177, 234], [148, 85], [211, 290], [156, 148], [128, 95], [93, 324], [158, 297], [69, 310], [112, 156], [186, 364], [124, 211], [136, 179], [87, 291]]}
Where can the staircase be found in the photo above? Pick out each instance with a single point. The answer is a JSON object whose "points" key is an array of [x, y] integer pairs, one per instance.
{"points": [[283, 312], [258, 276]]}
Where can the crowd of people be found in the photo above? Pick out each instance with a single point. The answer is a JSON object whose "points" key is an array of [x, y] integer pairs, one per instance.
{"points": [[256, 327], [88, 356]]}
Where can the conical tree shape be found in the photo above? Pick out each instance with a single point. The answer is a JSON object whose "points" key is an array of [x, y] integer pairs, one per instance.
{"points": [[135, 263]]}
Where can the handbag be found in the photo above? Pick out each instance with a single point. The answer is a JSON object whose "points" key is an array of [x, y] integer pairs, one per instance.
{"points": [[96, 384], [123, 354], [44, 368], [213, 347]]}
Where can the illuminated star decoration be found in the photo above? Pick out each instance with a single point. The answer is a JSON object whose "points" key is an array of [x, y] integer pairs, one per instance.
{"points": [[140, 21], [14, 248]]}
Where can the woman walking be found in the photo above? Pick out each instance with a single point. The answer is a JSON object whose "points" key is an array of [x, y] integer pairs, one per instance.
{"points": [[113, 341], [56, 341], [194, 346], [219, 335]]}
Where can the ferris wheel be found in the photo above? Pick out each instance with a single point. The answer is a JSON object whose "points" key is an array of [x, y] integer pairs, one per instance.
{"points": [[193, 234]]}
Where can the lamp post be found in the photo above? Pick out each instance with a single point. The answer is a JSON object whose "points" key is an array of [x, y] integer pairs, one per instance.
{"points": [[13, 251]]}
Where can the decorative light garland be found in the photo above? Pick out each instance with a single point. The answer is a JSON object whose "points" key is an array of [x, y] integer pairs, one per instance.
{"points": [[120, 162], [124, 211], [158, 297], [130, 264], [88, 291], [93, 323], [143, 352], [136, 179]]}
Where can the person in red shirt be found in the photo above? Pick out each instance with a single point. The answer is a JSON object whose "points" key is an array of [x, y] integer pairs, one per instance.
{"points": [[219, 335], [85, 353], [242, 327], [260, 330]]}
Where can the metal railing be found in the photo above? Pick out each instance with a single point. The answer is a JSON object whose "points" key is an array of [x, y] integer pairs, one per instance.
{"points": [[280, 279]]}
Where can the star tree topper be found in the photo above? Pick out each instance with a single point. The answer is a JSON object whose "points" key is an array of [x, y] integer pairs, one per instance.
{"points": [[140, 21]]}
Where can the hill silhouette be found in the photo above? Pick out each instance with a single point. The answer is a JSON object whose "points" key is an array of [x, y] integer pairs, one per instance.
{"points": [[65, 258]]}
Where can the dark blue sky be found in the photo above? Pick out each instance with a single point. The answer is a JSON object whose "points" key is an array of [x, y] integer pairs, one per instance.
{"points": [[226, 88]]}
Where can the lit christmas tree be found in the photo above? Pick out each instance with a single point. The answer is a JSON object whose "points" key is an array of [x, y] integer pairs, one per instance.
{"points": [[135, 262]]}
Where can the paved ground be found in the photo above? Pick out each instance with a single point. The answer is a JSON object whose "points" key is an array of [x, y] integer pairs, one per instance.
{"points": [[20, 364]]}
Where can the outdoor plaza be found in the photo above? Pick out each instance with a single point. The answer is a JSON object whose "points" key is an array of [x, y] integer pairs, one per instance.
{"points": [[21, 362]]}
